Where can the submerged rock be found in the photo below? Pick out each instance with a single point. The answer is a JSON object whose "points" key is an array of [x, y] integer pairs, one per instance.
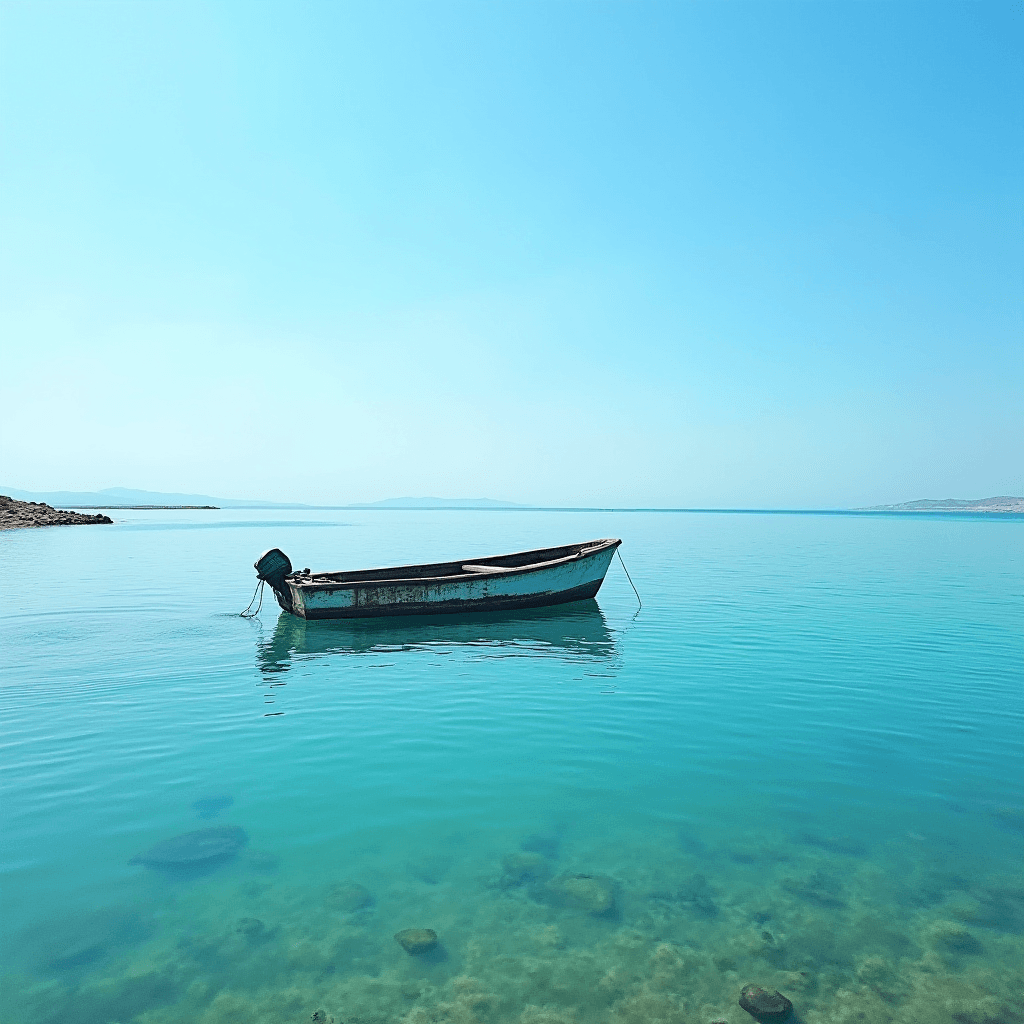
{"points": [[251, 927], [76, 940], [211, 806], [430, 868], [593, 894], [994, 906], [1010, 817], [845, 845], [698, 896], [522, 867], [821, 888], [349, 896], [952, 937], [763, 1005], [416, 940], [205, 847], [874, 971], [544, 843], [263, 861], [691, 843]]}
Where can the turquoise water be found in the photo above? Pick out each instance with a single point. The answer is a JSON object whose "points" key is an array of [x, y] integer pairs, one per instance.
{"points": [[800, 765]]}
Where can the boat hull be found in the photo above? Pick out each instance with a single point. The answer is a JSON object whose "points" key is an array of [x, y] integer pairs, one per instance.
{"points": [[576, 576]]}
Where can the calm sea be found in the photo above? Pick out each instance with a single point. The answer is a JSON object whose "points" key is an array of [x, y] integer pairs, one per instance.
{"points": [[800, 765]]}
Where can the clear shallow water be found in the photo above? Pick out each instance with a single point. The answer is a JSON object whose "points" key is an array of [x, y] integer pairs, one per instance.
{"points": [[801, 765]]}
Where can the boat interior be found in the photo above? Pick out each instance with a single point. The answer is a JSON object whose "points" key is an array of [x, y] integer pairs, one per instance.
{"points": [[521, 561]]}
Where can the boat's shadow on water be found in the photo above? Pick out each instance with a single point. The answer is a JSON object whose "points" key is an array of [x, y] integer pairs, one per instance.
{"points": [[575, 632]]}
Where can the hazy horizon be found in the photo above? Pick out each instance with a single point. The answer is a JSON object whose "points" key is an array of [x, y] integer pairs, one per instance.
{"points": [[124, 497], [661, 255]]}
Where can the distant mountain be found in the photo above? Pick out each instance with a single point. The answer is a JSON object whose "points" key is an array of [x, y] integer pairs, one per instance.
{"points": [[110, 497], [1004, 503], [437, 503]]}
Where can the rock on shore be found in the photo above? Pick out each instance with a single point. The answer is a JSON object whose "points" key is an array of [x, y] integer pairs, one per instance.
{"points": [[18, 515]]}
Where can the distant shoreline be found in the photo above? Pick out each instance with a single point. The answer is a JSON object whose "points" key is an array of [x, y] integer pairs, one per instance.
{"points": [[581, 508], [124, 508], [1003, 503], [125, 499]]}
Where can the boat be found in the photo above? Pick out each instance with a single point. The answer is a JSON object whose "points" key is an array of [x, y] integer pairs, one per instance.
{"points": [[525, 579]]}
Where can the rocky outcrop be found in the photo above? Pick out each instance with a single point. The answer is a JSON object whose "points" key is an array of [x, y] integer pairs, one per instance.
{"points": [[19, 515]]}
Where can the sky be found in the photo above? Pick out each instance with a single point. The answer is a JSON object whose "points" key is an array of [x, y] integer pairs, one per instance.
{"points": [[643, 254]]}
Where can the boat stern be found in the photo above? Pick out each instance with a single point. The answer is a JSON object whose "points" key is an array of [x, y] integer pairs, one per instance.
{"points": [[273, 567]]}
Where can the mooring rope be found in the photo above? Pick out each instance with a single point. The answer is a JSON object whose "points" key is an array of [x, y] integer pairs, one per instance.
{"points": [[247, 614], [628, 577]]}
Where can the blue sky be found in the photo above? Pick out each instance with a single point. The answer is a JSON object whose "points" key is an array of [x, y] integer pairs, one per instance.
{"points": [[707, 254]]}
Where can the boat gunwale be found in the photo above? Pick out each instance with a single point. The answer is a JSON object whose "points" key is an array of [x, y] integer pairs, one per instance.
{"points": [[317, 581]]}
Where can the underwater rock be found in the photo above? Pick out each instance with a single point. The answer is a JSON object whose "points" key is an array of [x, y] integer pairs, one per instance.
{"points": [[519, 868], [953, 937], [698, 897], [544, 843], [927, 888], [211, 806], [416, 940], [262, 861], [819, 887], [1010, 818], [205, 847], [320, 1017], [757, 851], [691, 843], [431, 868], [251, 927], [994, 906], [349, 896], [594, 894], [845, 845], [874, 971], [763, 1005], [78, 940]]}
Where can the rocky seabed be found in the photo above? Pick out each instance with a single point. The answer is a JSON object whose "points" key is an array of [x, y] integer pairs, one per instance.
{"points": [[578, 936]]}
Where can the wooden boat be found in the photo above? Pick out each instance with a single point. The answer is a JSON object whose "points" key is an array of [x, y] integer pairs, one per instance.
{"points": [[526, 579]]}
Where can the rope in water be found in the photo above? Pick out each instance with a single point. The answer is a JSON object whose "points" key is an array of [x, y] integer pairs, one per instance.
{"points": [[628, 577], [247, 614]]}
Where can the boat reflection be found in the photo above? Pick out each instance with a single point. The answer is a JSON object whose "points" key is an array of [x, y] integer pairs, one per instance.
{"points": [[575, 633]]}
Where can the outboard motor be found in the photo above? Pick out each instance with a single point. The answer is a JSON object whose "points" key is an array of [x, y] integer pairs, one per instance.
{"points": [[273, 566]]}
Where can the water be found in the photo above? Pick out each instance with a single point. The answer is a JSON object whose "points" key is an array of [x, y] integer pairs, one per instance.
{"points": [[800, 766]]}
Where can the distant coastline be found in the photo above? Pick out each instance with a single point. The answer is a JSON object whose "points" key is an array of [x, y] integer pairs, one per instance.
{"points": [[123, 508], [429, 503], [127, 499], [1003, 503], [132, 498]]}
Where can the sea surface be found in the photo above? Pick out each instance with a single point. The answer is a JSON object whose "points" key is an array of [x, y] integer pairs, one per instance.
{"points": [[799, 765]]}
